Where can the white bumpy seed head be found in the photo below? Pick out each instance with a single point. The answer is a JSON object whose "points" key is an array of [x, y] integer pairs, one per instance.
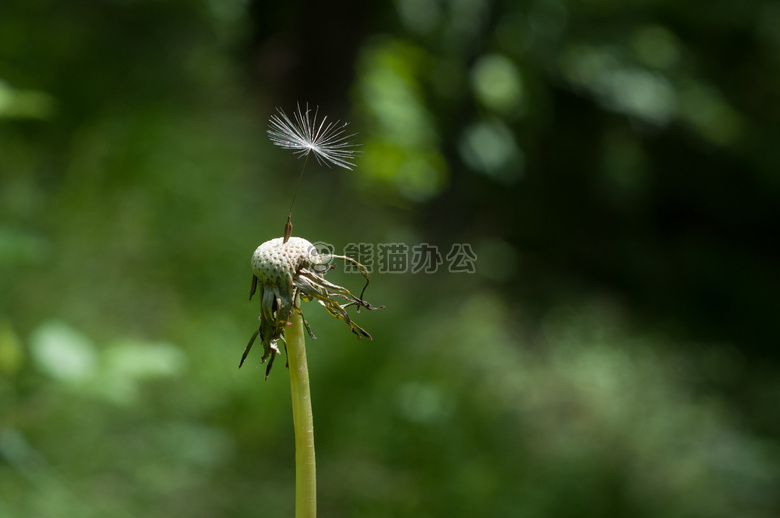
{"points": [[287, 271], [276, 263]]}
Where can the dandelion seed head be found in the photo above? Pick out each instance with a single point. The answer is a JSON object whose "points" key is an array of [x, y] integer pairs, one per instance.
{"points": [[304, 134], [277, 262], [288, 272]]}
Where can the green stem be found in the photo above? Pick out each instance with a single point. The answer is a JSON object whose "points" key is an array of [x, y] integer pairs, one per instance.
{"points": [[305, 467]]}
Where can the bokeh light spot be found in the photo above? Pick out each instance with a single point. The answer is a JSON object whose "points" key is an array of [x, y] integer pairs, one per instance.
{"points": [[497, 83]]}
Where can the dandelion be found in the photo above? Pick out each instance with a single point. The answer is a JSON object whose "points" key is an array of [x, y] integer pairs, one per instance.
{"points": [[285, 274], [302, 134], [286, 269], [289, 270]]}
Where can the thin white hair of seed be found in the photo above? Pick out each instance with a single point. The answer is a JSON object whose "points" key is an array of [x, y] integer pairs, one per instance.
{"points": [[304, 135]]}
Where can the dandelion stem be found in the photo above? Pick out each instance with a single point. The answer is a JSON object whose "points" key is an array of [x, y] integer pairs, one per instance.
{"points": [[305, 467]]}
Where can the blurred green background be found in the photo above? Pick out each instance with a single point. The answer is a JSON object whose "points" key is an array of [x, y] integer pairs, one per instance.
{"points": [[614, 166]]}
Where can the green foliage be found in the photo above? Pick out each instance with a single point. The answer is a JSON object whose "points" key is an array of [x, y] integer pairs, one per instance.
{"points": [[614, 167]]}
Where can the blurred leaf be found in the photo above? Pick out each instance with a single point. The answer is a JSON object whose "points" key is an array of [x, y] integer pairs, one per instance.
{"points": [[63, 352]]}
